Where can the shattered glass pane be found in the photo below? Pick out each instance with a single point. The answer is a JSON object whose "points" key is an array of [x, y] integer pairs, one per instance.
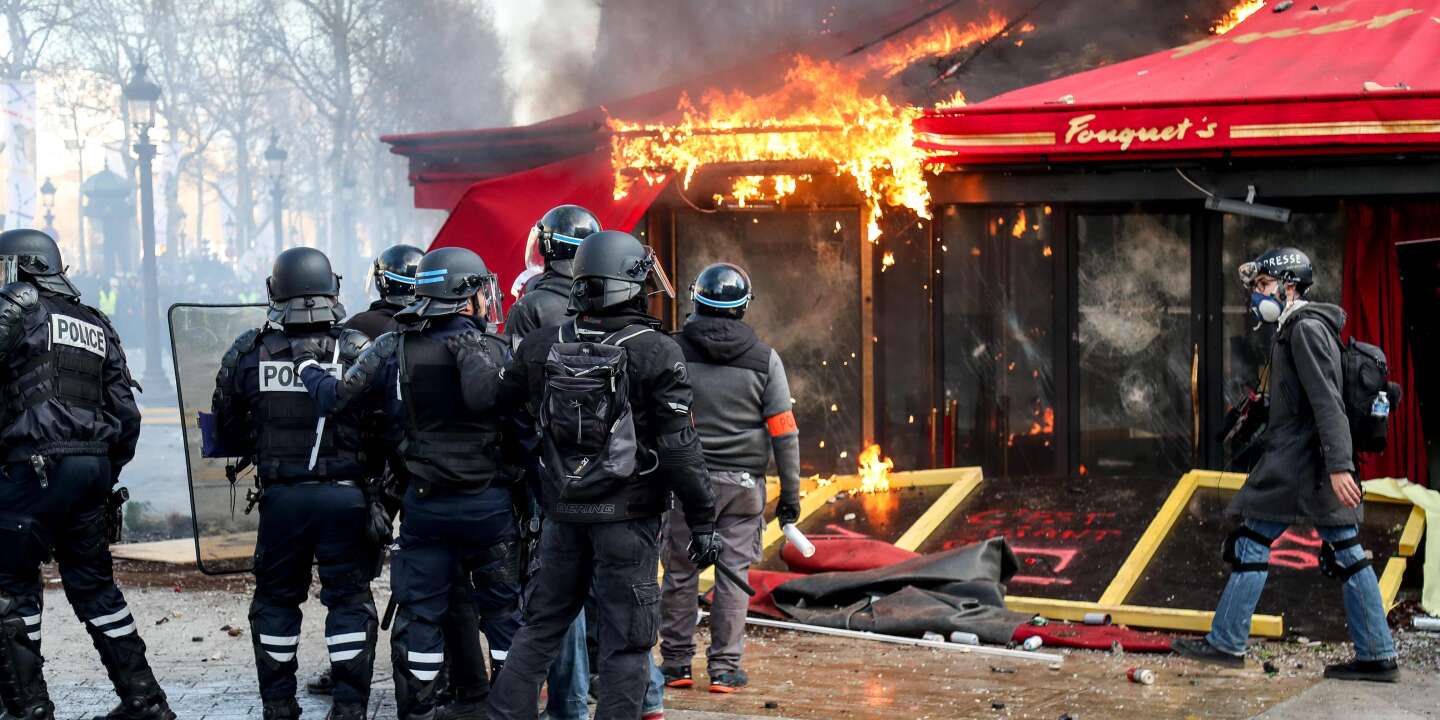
{"points": [[998, 295], [1135, 346], [805, 270]]}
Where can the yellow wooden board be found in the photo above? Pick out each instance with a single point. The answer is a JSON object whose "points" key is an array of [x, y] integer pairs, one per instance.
{"points": [[1137, 615], [1414, 531], [927, 523], [1160, 526], [1390, 581]]}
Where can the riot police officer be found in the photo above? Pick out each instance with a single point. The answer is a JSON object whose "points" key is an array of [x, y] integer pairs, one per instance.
{"points": [[70, 424], [626, 443], [557, 236], [457, 506], [394, 273], [311, 469]]}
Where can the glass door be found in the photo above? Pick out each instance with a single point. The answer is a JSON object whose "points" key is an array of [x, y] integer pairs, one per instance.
{"points": [[1135, 353]]}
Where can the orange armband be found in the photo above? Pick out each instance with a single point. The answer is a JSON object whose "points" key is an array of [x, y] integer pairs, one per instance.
{"points": [[782, 424]]}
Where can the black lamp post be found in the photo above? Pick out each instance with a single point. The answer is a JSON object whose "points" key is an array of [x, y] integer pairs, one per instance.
{"points": [[47, 197], [275, 164], [141, 98]]}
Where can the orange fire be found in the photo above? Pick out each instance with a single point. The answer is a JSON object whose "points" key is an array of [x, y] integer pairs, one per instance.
{"points": [[945, 39], [823, 112], [1045, 424], [1236, 16], [874, 470], [954, 101]]}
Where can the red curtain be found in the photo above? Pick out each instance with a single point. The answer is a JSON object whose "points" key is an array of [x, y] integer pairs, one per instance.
{"points": [[1373, 301]]}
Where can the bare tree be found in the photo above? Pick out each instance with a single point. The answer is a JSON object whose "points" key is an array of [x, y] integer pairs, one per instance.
{"points": [[30, 26]]}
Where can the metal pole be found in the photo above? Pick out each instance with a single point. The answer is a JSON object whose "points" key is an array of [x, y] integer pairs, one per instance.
{"points": [[277, 196], [154, 375]]}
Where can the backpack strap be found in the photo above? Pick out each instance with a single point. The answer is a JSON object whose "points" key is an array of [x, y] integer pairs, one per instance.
{"points": [[625, 334]]}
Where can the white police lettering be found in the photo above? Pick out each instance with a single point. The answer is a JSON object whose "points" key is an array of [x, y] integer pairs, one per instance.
{"points": [[280, 376], [66, 330]]}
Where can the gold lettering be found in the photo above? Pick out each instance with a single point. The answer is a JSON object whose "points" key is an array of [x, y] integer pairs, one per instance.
{"points": [[1208, 132], [1334, 27], [1182, 128], [1077, 125], [1380, 21], [1196, 46]]}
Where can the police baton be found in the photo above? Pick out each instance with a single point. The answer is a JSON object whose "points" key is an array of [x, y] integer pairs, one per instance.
{"points": [[732, 577]]}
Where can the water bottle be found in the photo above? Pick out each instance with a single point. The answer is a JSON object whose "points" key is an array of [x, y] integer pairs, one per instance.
{"points": [[1381, 407]]}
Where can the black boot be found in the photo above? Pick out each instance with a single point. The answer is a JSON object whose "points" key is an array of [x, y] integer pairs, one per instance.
{"points": [[346, 711], [1203, 651], [286, 709], [124, 659], [466, 703], [1386, 671], [322, 684], [22, 686]]}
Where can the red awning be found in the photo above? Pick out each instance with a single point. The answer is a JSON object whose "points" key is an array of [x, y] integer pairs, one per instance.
{"points": [[1356, 76]]}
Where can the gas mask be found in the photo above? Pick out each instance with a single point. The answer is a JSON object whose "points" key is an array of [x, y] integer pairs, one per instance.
{"points": [[1266, 308]]}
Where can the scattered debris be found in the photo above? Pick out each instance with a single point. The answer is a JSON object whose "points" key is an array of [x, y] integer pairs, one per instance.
{"points": [[849, 517], [163, 620], [1140, 675], [1002, 669], [997, 705], [1117, 649], [1032, 643], [771, 705], [197, 638], [235, 632], [1270, 667]]}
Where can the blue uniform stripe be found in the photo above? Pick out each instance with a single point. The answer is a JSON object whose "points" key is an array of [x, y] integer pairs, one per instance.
{"points": [[568, 240], [399, 278], [432, 273]]}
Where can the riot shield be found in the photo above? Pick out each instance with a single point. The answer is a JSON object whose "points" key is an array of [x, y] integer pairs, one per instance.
{"points": [[224, 530]]}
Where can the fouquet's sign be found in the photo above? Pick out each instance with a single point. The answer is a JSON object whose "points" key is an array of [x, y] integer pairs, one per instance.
{"points": [[1090, 128]]}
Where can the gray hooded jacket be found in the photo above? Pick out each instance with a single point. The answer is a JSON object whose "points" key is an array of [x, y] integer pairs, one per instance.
{"points": [[1308, 436]]}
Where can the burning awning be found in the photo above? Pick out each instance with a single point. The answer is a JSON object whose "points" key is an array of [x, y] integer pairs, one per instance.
{"points": [[1298, 79]]}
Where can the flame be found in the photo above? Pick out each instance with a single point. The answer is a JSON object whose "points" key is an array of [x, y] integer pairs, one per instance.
{"points": [[1018, 230], [874, 470], [1045, 424], [887, 261], [947, 37], [821, 113], [1236, 16], [954, 101]]}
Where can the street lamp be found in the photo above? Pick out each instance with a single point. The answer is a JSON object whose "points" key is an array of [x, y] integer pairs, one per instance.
{"points": [[47, 197], [275, 164], [141, 97], [230, 240]]}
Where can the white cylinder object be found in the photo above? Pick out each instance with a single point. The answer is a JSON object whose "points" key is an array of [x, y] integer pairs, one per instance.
{"points": [[1423, 622], [798, 539]]}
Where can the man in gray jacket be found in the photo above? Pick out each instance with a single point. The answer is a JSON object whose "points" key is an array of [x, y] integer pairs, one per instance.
{"points": [[1305, 476], [742, 413]]}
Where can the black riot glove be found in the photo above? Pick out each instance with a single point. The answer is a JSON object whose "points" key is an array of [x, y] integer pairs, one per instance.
{"points": [[787, 511], [380, 526], [307, 348], [471, 350], [704, 548]]}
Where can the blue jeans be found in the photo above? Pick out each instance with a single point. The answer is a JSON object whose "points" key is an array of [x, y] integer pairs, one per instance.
{"points": [[655, 694], [569, 679], [1364, 610]]}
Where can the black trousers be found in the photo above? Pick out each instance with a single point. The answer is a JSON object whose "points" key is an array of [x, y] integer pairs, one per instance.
{"points": [[65, 519], [622, 559], [322, 523]]}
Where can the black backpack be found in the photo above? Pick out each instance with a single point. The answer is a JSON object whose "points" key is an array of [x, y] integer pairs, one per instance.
{"points": [[589, 446], [1366, 374]]}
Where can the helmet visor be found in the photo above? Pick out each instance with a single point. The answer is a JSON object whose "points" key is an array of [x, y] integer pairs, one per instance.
{"points": [[9, 269], [657, 274], [489, 291]]}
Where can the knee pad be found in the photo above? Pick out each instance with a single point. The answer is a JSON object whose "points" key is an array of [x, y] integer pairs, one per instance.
{"points": [[1330, 565], [500, 565], [1233, 557]]}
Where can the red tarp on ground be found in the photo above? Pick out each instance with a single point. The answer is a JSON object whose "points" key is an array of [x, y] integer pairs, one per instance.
{"points": [[1348, 77], [495, 216]]}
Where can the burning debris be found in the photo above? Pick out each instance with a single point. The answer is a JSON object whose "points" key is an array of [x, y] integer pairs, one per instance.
{"points": [[874, 470]]}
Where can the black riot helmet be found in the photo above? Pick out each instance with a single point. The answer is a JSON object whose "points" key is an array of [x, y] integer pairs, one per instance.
{"points": [[303, 289], [721, 290], [447, 281], [34, 257], [1286, 264], [561, 230], [395, 273], [611, 269]]}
